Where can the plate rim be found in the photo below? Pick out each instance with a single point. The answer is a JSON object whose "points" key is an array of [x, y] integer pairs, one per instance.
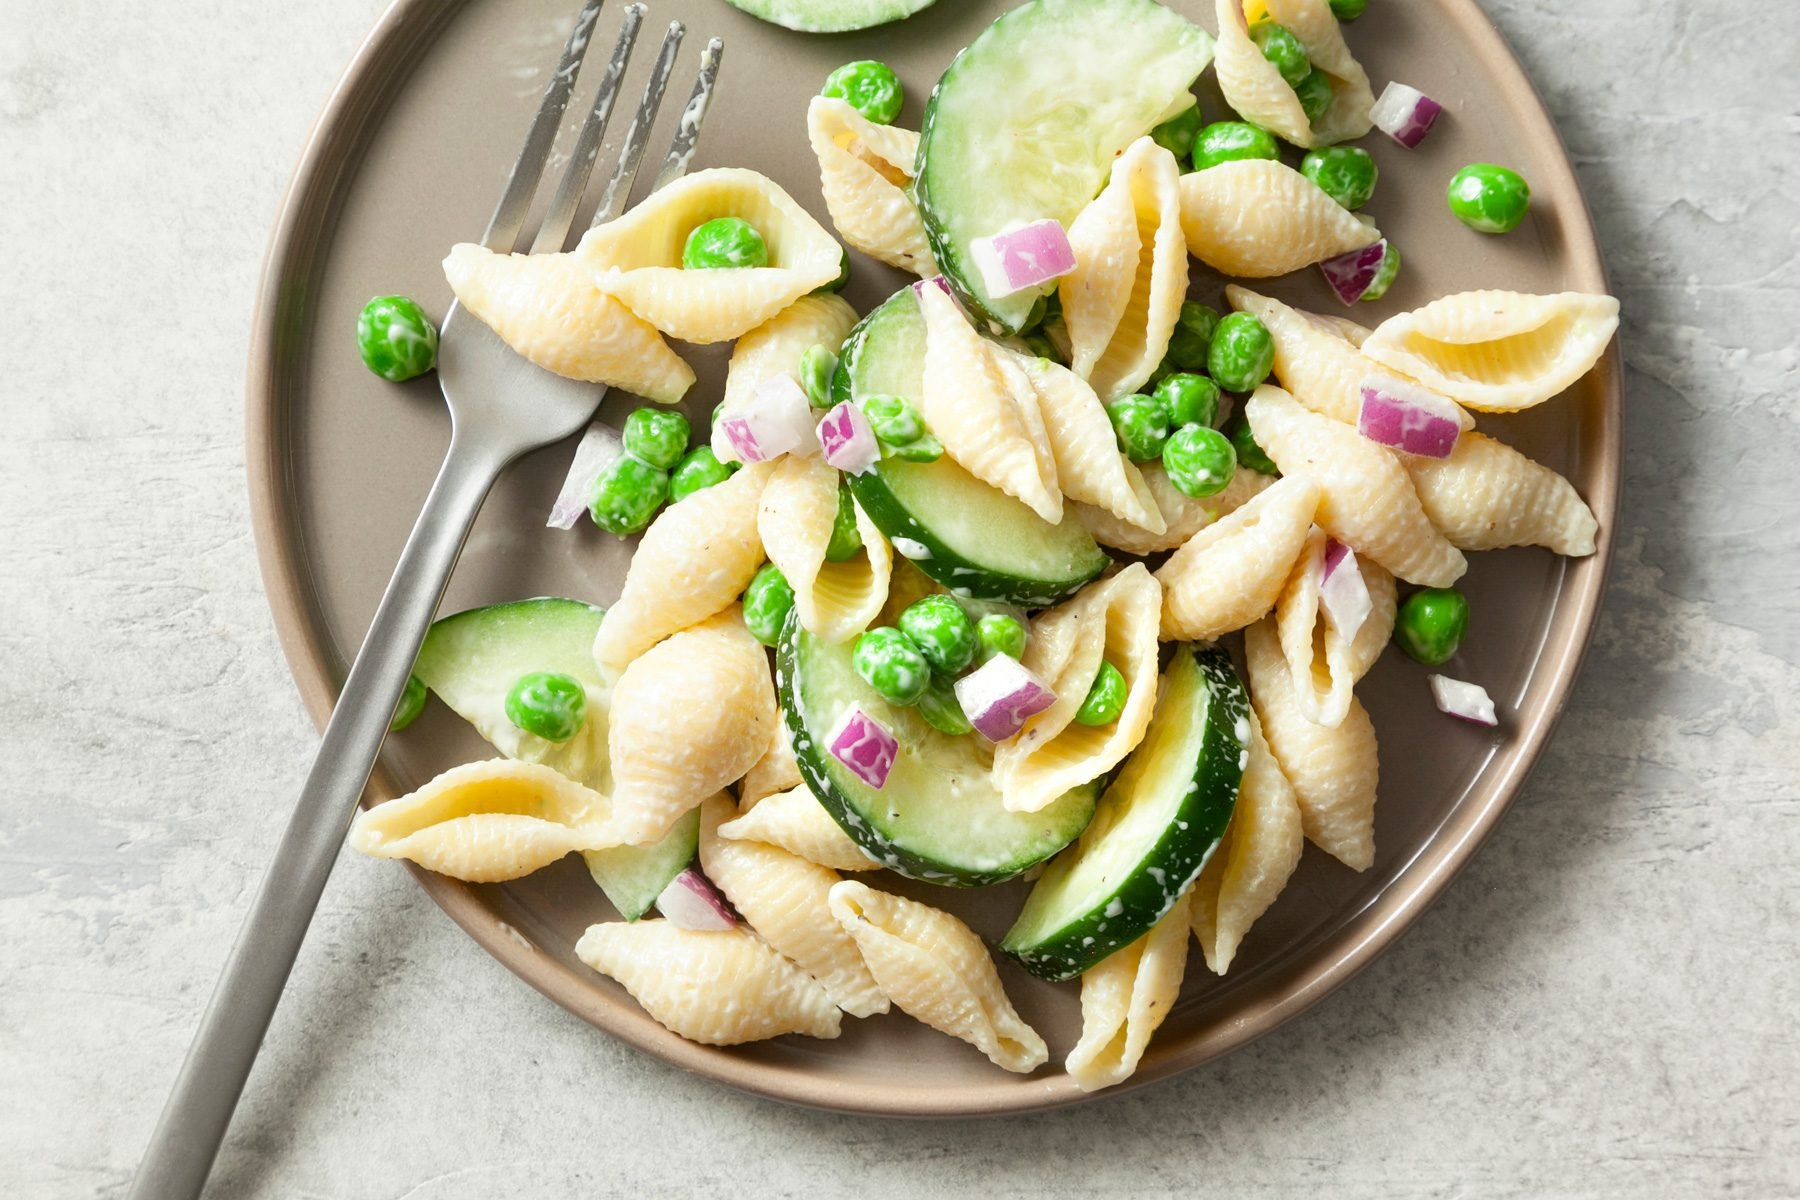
{"points": [[333, 151]]}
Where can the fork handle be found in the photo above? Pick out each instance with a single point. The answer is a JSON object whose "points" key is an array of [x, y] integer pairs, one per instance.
{"points": [[199, 1109]]}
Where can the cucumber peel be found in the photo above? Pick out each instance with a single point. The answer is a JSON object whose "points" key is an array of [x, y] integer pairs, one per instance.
{"points": [[830, 16]]}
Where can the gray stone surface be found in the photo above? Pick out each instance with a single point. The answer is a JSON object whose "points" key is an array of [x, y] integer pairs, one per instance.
{"points": [[1603, 1005]]}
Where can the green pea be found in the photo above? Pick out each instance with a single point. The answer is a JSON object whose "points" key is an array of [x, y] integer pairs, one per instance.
{"points": [[998, 633], [412, 703], [893, 418], [925, 449], [1384, 274], [1345, 173], [397, 340], [1279, 45], [817, 366], [942, 710], [1191, 399], [659, 436], [1431, 624], [846, 538], [1249, 454], [868, 86], [628, 494], [698, 471], [1177, 134], [1192, 336], [1105, 699], [1315, 95], [548, 705], [1242, 353], [842, 280], [724, 242], [1489, 198], [1142, 425], [1039, 344], [767, 601], [1199, 461], [1348, 10], [892, 664], [943, 632], [1226, 141]]}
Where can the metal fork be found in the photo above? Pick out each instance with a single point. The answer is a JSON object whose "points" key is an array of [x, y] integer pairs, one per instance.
{"points": [[501, 407]]}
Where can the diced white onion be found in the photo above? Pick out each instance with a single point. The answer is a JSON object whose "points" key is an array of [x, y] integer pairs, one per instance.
{"points": [[691, 902], [1343, 592], [1464, 701], [1410, 418], [1002, 694], [776, 420], [864, 745], [848, 440], [1405, 114], [596, 451], [1026, 256]]}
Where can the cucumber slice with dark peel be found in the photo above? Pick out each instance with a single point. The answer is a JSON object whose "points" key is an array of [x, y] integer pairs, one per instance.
{"points": [[830, 16], [1027, 121], [473, 658], [1156, 826], [939, 817], [973, 539]]}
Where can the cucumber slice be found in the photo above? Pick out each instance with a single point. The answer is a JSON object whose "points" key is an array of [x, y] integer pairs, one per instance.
{"points": [[975, 540], [1028, 119], [472, 659], [830, 16], [1154, 830], [939, 819]]}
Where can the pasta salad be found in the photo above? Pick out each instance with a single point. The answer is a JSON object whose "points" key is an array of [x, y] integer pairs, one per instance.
{"points": [[1044, 568]]}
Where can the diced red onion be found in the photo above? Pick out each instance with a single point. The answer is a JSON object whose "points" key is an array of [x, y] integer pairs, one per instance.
{"points": [[1002, 694], [691, 902], [1350, 274], [776, 420], [1343, 592], [1405, 114], [1464, 701], [1409, 418], [936, 281], [864, 745], [1028, 256], [848, 440], [596, 451]]}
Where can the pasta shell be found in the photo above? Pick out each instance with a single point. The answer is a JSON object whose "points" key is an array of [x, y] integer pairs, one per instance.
{"points": [[1121, 302], [835, 600], [981, 406], [1230, 573], [1366, 499], [776, 771], [689, 716], [548, 310], [1089, 467], [784, 898], [775, 348], [1487, 495], [1315, 358], [1324, 662], [1125, 998], [936, 970], [694, 560], [795, 821], [1254, 87], [1498, 351], [1183, 516], [1114, 620], [637, 258], [865, 173], [1334, 769], [487, 822], [720, 988], [1254, 218], [1253, 862]]}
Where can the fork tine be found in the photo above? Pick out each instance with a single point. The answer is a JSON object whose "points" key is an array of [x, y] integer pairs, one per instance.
{"points": [[561, 215], [509, 216], [687, 133], [625, 173]]}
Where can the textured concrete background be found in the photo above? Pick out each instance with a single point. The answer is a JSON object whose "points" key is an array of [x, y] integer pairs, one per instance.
{"points": [[1603, 1005]]}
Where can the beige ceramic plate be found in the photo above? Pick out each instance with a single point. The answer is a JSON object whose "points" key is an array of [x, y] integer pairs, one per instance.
{"points": [[409, 157]]}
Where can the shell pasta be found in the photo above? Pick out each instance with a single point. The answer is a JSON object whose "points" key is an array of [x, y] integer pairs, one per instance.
{"points": [[865, 170]]}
